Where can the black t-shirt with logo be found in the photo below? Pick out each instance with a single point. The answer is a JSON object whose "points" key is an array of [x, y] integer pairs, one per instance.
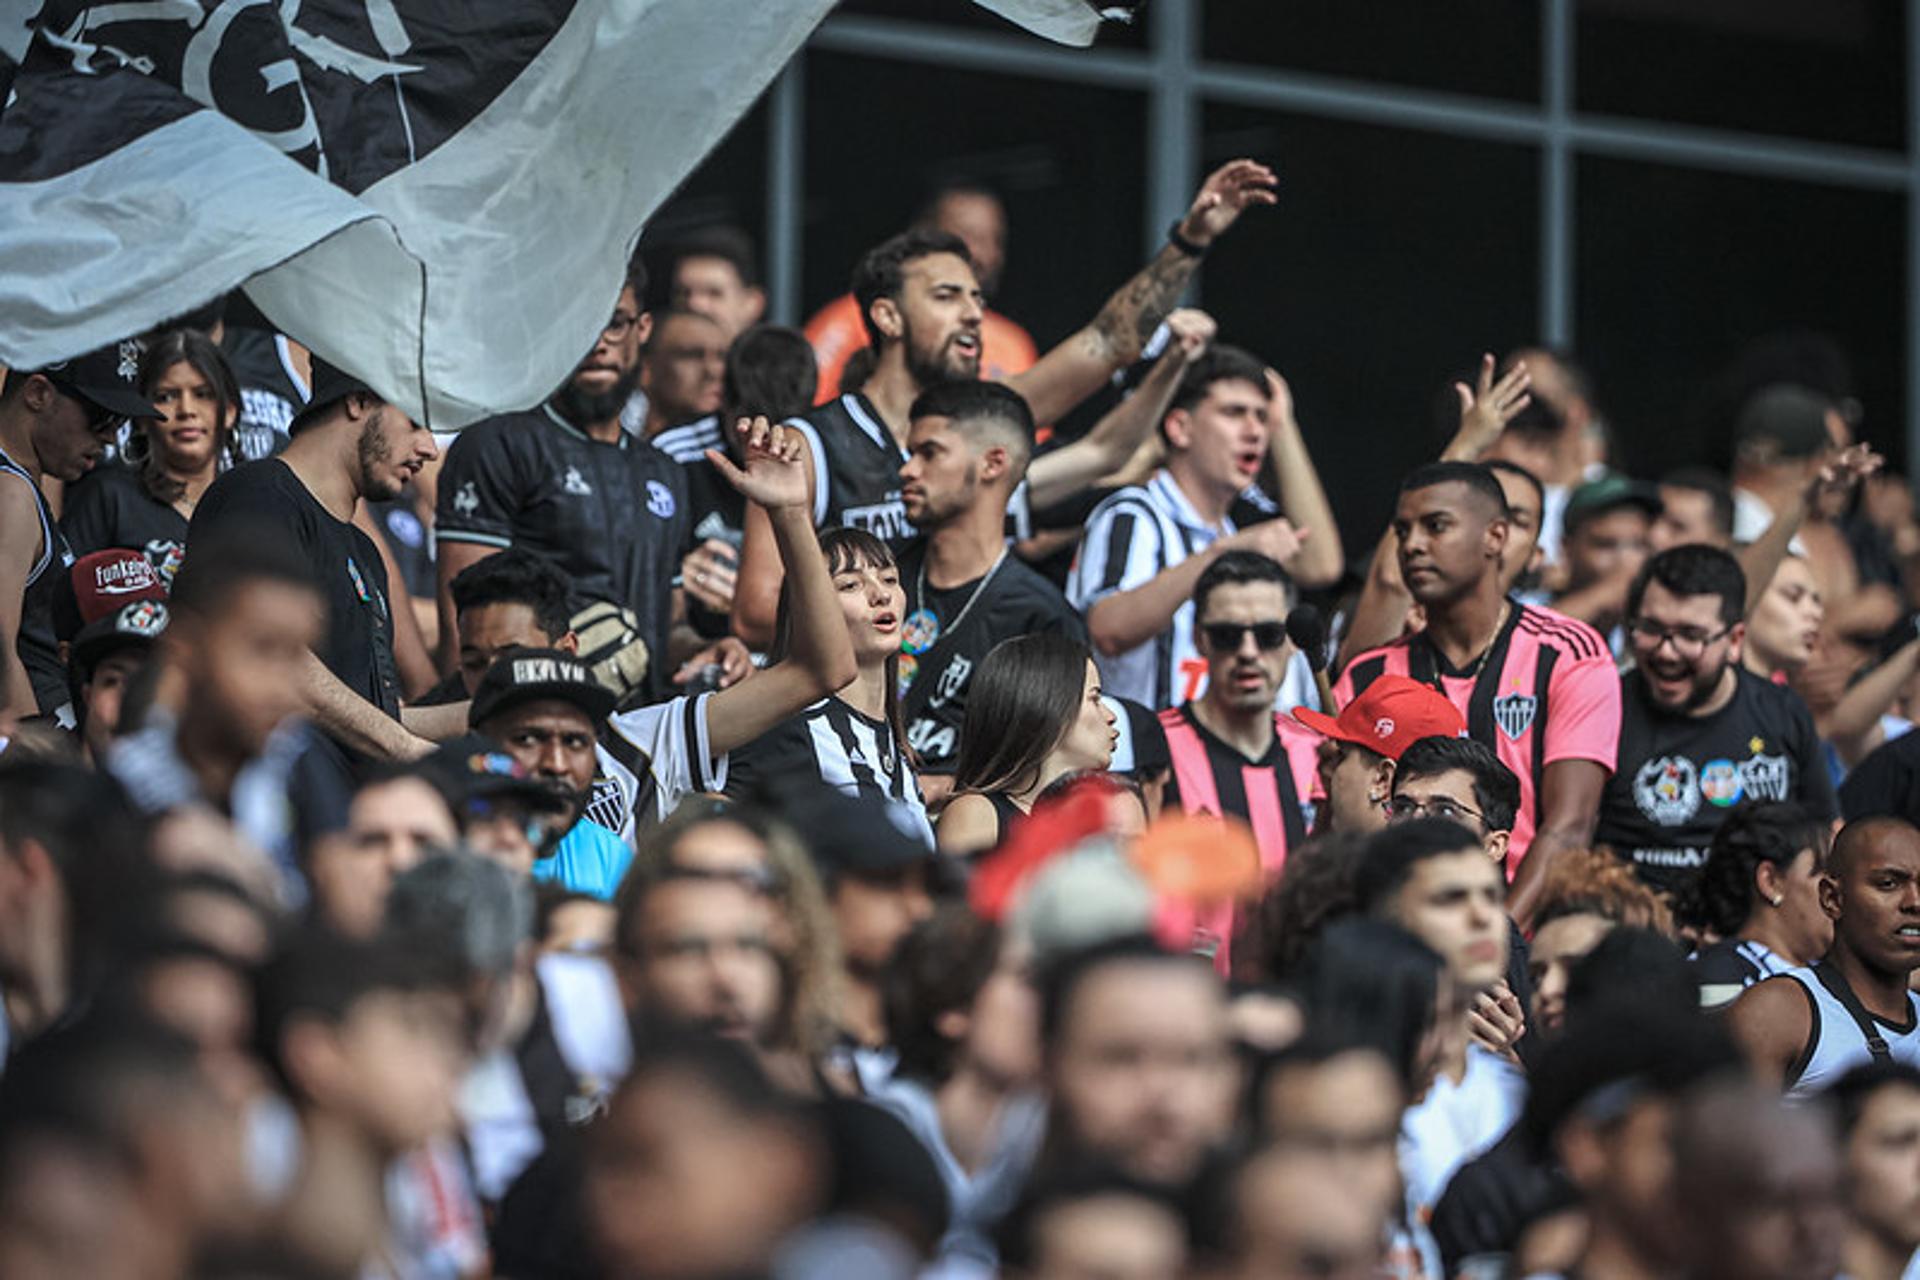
{"points": [[858, 458], [612, 517], [358, 643], [1017, 602], [1680, 775], [269, 397], [108, 508]]}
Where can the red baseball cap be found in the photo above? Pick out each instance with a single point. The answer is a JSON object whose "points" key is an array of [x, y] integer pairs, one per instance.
{"points": [[106, 581], [1392, 714]]}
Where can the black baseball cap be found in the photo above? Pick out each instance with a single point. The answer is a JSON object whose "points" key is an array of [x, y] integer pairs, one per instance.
{"points": [[473, 767], [137, 624], [104, 378], [328, 385], [532, 675]]}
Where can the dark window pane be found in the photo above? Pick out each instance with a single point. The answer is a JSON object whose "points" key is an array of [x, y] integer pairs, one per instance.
{"points": [[1489, 48], [728, 187], [1392, 261], [1679, 270], [1831, 70], [1067, 161], [969, 16]]}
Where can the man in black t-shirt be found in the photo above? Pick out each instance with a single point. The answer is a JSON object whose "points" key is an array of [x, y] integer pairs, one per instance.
{"points": [[1886, 782], [348, 446], [1698, 733], [566, 480], [966, 590]]}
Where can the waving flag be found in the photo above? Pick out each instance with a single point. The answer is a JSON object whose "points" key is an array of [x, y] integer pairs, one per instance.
{"points": [[439, 195]]}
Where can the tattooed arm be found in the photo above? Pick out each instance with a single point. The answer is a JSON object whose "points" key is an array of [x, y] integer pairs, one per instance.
{"points": [[1077, 367]]}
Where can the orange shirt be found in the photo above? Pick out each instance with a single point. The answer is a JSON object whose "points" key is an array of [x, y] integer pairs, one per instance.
{"points": [[836, 333]]}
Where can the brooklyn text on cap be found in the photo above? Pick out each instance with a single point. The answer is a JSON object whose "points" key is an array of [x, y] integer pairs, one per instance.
{"points": [[104, 378], [531, 675], [1392, 714]]}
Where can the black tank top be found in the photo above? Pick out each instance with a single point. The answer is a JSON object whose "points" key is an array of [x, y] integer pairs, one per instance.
{"points": [[37, 646]]}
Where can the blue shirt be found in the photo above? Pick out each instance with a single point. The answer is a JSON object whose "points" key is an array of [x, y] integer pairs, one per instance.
{"points": [[590, 859]]}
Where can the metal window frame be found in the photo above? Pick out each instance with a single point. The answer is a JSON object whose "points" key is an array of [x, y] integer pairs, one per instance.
{"points": [[1178, 82]]}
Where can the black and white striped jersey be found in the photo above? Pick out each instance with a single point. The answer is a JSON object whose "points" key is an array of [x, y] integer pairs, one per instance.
{"points": [[841, 747], [651, 759], [1134, 536]]}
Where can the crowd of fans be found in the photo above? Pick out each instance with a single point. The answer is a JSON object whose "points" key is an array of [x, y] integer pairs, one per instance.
{"points": [[955, 816]]}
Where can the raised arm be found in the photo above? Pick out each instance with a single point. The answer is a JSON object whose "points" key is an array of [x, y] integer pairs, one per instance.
{"points": [[1321, 560], [1760, 560], [1057, 476], [1077, 367], [819, 658]]}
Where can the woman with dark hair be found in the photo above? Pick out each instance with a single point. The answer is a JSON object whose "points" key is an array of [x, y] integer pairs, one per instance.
{"points": [[1759, 894], [145, 502], [1033, 713], [853, 741]]}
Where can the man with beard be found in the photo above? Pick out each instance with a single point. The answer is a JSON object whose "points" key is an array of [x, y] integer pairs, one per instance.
{"points": [[966, 591], [348, 446], [549, 712], [1539, 688], [1808, 1027], [922, 304], [1699, 733], [567, 481]]}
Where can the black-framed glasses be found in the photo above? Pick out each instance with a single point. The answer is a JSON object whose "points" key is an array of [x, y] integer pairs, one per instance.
{"points": [[1226, 635], [1406, 808], [1688, 642]]}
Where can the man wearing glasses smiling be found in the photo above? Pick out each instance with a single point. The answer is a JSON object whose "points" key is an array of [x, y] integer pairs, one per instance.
{"points": [[55, 422], [1699, 733]]}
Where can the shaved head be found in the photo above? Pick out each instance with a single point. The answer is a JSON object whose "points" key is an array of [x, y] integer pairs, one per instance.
{"points": [[1864, 839]]}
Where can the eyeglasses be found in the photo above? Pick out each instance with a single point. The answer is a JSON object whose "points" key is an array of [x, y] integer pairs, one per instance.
{"points": [[620, 325], [1688, 642], [1226, 635], [1403, 808]]}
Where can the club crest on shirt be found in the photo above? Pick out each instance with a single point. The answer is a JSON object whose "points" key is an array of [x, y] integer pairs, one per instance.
{"points": [[166, 557], [1514, 713], [465, 500], [1667, 789], [1765, 777], [660, 500], [575, 483], [1720, 783]]}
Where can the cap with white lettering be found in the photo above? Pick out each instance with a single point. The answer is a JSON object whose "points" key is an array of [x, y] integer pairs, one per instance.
{"points": [[533, 675]]}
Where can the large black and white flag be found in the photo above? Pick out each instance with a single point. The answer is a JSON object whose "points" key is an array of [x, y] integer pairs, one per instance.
{"points": [[439, 195]]}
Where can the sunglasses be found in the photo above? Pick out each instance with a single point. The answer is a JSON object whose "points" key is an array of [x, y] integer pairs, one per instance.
{"points": [[1226, 635]]}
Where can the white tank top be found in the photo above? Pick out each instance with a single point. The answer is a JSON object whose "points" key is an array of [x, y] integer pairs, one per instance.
{"points": [[1838, 1042]]}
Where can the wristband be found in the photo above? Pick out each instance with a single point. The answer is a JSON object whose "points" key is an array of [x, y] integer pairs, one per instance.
{"points": [[1183, 244]]}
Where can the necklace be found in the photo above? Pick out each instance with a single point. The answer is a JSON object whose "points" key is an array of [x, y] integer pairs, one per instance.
{"points": [[922, 629], [1487, 649]]}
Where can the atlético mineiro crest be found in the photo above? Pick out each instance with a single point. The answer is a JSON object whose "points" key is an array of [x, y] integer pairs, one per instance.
{"points": [[1514, 713]]}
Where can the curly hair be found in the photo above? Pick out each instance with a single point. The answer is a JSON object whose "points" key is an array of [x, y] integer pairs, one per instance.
{"points": [[1774, 831], [1593, 882], [1315, 888]]}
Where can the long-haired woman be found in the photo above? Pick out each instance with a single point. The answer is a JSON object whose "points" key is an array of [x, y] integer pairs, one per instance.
{"points": [[854, 740], [1033, 714], [146, 502]]}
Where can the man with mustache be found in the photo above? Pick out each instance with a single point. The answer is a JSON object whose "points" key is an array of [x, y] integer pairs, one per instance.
{"points": [[1698, 733]]}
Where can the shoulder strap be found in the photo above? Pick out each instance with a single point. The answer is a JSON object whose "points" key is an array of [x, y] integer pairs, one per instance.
{"points": [[1837, 988]]}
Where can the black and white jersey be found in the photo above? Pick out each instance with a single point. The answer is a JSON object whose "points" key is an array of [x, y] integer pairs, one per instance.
{"points": [[1679, 776], [271, 392], [856, 468], [841, 747], [650, 760], [613, 517], [1133, 537], [1730, 966], [1016, 602], [38, 650]]}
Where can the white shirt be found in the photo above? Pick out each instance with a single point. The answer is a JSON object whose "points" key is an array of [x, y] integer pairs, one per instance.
{"points": [[1454, 1123]]}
